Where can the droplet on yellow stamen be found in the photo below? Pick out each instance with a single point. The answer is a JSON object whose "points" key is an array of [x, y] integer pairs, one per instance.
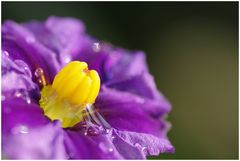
{"points": [[39, 74], [73, 88]]}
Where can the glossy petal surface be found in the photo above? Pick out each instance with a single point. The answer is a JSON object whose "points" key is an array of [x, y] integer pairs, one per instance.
{"points": [[128, 99], [24, 132]]}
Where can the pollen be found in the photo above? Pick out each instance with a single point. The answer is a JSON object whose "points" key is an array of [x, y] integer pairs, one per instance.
{"points": [[73, 88]]}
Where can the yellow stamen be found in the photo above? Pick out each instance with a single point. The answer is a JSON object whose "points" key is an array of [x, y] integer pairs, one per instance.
{"points": [[73, 88], [40, 76]]}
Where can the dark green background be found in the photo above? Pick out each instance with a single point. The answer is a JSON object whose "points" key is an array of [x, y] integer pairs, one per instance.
{"points": [[192, 50]]}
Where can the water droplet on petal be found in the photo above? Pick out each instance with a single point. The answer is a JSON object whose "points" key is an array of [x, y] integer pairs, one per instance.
{"points": [[18, 94], [22, 129], [24, 67], [145, 150], [141, 147], [108, 131], [28, 100], [93, 131], [137, 145], [39, 81], [67, 59], [113, 137], [23, 95], [96, 47], [5, 53], [27, 71], [39, 74], [105, 147]]}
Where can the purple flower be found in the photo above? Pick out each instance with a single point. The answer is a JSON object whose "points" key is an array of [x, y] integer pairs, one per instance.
{"points": [[129, 119]]}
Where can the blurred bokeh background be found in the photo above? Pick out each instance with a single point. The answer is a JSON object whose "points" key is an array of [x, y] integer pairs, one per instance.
{"points": [[192, 51]]}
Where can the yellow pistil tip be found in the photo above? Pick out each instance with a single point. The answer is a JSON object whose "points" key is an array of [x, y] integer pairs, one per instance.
{"points": [[73, 88]]}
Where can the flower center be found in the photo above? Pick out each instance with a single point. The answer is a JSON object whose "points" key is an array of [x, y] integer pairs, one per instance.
{"points": [[73, 88]]}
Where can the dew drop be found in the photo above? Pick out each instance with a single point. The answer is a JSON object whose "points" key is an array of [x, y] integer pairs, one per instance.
{"points": [[22, 129], [28, 100], [141, 147], [137, 145], [93, 131], [5, 53], [145, 150], [27, 71], [105, 148], [18, 94], [23, 66], [67, 59], [113, 137], [96, 47], [23, 95], [38, 72], [107, 131], [39, 81]]}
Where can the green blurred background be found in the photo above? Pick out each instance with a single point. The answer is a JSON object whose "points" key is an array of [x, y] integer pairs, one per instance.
{"points": [[192, 51]]}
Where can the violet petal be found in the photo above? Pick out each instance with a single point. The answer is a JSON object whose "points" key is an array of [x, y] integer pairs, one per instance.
{"points": [[29, 49], [80, 146], [63, 35], [17, 79], [123, 64], [16, 111], [125, 111], [146, 144], [144, 87], [24, 132]]}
